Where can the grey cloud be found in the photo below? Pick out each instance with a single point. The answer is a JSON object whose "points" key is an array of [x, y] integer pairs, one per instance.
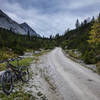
{"points": [[50, 16]]}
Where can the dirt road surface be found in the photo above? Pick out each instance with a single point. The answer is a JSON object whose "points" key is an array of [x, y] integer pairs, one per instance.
{"points": [[64, 79]]}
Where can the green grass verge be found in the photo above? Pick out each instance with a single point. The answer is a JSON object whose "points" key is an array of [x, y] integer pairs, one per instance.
{"points": [[23, 62], [73, 54], [6, 54], [2, 66]]}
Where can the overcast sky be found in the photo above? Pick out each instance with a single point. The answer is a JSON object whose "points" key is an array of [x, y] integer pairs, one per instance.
{"points": [[48, 17]]}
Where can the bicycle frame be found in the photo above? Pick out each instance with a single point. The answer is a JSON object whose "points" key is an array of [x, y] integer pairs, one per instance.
{"points": [[14, 70]]}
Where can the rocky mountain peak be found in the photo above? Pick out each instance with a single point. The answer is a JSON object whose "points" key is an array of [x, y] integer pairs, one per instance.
{"points": [[7, 23]]}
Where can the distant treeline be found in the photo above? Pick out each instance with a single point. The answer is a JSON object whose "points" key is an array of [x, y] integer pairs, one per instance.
{"points": [[19, 43]]}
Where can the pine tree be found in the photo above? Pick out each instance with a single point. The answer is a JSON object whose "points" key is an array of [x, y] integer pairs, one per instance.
{"points": [[77, 24], [28, 34], [99, 18], [50, 36], [93, 19], [85, 22]]}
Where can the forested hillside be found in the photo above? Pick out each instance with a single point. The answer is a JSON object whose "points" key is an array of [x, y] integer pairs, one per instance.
{"points": [[85, 38]]}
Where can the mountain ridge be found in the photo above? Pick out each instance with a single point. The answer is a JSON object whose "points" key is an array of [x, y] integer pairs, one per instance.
{"points": [[7, 23], [27, 29]]}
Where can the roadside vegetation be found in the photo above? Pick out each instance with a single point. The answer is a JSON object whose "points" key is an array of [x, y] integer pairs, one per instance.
{"points": [[23, 62], [74, 53], [6, 54], [18, 95]]}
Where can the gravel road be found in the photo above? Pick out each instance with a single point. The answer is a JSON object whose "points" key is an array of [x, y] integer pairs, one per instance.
{"points": [[68, 79]]}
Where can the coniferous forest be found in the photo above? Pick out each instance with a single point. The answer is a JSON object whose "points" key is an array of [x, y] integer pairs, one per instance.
{"points": [[19, 43]]}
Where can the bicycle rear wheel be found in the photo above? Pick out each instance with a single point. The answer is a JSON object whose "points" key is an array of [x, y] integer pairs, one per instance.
{"points": [[6, 82], [24, 74]]}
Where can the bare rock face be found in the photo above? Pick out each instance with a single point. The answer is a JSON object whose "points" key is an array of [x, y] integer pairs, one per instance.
{"points": [[7, 23], [27, 29]]}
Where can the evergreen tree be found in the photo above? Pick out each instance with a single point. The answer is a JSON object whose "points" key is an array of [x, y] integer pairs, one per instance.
{"points": [[93, 19], [28, 34], [85, 22], [82, 24], [1, 42], [51, 37], [99, 18], [77, 24]]}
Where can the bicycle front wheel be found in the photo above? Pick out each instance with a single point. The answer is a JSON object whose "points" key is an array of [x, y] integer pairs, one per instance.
{"points": [[24, 74], [6, 82]]}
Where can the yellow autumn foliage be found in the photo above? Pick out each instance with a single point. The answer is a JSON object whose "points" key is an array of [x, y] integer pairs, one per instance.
{"points": [[94, 38]]}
